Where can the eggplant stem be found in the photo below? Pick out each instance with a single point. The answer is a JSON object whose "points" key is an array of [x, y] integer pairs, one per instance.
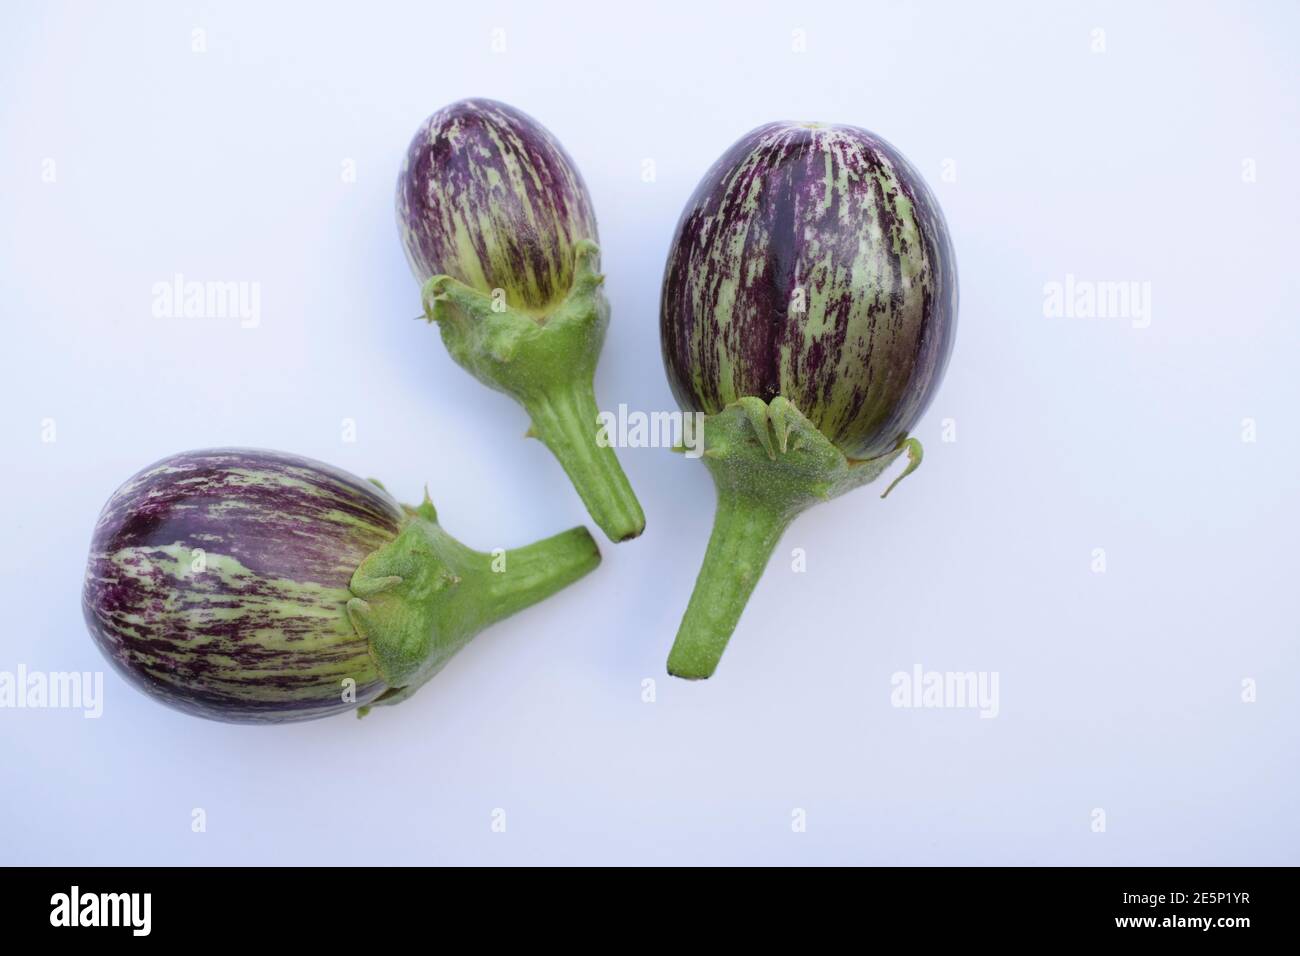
{"points": [[564, 419], [528, 575], [769, 464], [423, 596], [547, 363], [745, 533]]}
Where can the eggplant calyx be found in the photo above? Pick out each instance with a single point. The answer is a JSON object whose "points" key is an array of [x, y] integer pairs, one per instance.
{"points": [[770, 451], [769, 464], [519, 352], [423, 596], [546, 362]]}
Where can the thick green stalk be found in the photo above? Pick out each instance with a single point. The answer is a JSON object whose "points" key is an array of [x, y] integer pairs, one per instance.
{"points": [[546, 362], [769, 463], [564, 419], [522, 577], [423, 596], [745, 533]]}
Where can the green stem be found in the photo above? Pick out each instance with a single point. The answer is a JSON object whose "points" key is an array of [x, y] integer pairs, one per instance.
{"points": [[423, 596], [546, 363], [565, 420], [745, 533], [533, 573], [769, 464]]}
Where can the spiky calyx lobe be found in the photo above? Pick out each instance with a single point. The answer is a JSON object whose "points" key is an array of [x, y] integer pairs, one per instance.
{"points": [[769, 464], [222, 583], [812, 263], [548, 364], [489, 197]]}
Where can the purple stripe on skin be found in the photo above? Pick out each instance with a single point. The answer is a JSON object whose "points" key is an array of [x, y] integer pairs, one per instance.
{"points": [[270, 642], [482, 172], [271, 525], [839, 213]]}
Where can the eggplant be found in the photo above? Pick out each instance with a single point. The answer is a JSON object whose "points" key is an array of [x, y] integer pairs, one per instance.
{"points": [[809, 308], [256, 586], [498, 228]]}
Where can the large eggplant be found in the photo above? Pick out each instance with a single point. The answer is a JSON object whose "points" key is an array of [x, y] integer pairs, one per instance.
{"points": [[257, 586], [499, 229], [809, 308]]}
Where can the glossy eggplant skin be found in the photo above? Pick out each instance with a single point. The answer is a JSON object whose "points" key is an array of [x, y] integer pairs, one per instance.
{"points": [[489, 197], [812, 262], [218, 583]]}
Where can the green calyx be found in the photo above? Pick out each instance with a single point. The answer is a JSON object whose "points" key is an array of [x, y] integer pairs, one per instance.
{"points": [[769, 464], [547, 363], [424, 595]]}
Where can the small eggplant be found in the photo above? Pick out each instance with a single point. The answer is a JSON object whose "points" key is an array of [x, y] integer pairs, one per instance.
{"points": [[261, 587], [498, 227], [809, 308]]}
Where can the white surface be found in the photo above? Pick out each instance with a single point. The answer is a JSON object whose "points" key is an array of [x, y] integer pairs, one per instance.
{"points": [[1119, 691]]}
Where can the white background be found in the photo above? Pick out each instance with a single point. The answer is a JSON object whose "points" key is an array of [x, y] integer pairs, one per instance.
{"points": [[1120, 691]]}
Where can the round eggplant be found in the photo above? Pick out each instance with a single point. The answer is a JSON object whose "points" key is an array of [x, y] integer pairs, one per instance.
{"points": [[498, 227], [809, 308], [257, 586]]}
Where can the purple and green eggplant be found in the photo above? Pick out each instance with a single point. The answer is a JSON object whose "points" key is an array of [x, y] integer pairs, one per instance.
{"points": [[257, 586], [809, 308], [498, 227]]}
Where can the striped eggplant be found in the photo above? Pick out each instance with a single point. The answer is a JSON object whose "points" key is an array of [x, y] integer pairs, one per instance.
{"points": [[809, 308], [498, 227], [257, 586]]}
